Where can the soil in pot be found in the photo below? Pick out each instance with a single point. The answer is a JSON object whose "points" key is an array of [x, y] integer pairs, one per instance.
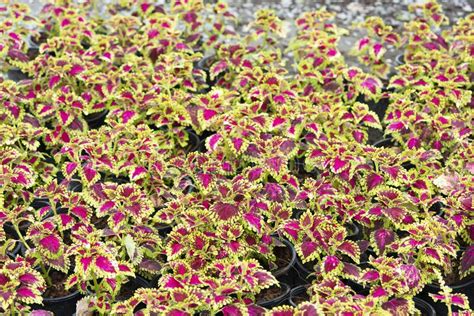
{"points": [[285, 257], [273, 296], [285, 261], [128, 289], [299, 295], [56, 298]]}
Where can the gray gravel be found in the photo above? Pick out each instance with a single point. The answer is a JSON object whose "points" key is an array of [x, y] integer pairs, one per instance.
{"points": [[394, 12]]}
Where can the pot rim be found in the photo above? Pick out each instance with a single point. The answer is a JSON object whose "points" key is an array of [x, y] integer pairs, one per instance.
{"points": [[281, 297], [290, 264], [297, 290]]}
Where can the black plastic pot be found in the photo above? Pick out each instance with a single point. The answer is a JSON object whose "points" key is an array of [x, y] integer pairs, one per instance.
{"points": [[19, 248], [299, 168], [164, 229], [194, 143], [287, 273], [284, 270], [131, 286], [280, 300], [298, 292], [206, 64], [353, 231], [61, 306], [17, 75], [75, 185], [424, 307], [399, 59], [42, 38], [36, 204], [384, 143], [303, 272], [96, 120], [464, 287]]}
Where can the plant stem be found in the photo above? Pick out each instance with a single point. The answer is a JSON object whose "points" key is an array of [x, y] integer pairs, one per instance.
{"points": [[96, 285], [22, 239], [46, 275]]}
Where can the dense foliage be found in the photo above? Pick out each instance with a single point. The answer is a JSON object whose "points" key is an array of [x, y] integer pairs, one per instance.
{"points": [[162, 142]]}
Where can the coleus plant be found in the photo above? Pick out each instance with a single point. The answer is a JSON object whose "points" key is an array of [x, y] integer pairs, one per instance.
{"points": [[20, 285], [267, 27], [332, 295], [423, 31], [98, 268], [323, 239], [450, 299], [370, 50], [17, 24], [227, 286]]}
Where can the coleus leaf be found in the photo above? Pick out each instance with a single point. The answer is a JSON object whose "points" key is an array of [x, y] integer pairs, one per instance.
{"points": [[76, 69], [374, 180], [65, 118], [457, 299], [338, 165], [213, 141], [80, 211], [104, 264], [331, 265], [254, 221], [225, 211], [396, 306], [51, 243], [138, 173], [69, 169], [218, 68], [383, 237], [351, 249], [467, 261], [89, 175]]}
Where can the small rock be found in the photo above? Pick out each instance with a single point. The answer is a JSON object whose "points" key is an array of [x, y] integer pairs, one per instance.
{"points": [[286, 3]]}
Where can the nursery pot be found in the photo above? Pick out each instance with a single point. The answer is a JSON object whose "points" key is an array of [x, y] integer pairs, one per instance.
{"points": [[96, 120], [286, 256], [194, 143], [424, 307], [353, 231], [129, 288], [36, 204], [61, 306], [286, 259], [399, 59], [273, 296], [19, 248], [298, 295], [16, 75], [75, 185], [465, 286], [384, 143], [303, 271]]}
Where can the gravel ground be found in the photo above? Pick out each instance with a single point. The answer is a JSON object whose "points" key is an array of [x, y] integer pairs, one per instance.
{"points": [[394, 12]]}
